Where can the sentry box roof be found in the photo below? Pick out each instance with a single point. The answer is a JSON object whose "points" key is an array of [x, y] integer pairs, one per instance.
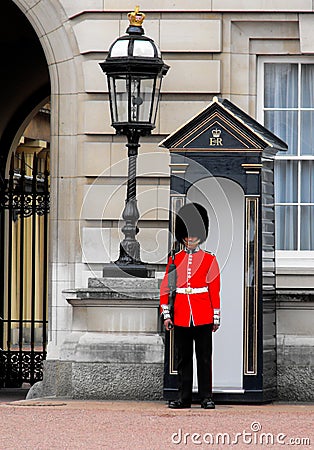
{"points": [[222, 126]]}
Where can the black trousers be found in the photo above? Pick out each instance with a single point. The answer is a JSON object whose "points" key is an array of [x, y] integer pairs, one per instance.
{"points": [[184, 337]]}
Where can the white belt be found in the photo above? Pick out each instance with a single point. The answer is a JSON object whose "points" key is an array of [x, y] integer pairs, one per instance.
{"points": [[190, 290]]}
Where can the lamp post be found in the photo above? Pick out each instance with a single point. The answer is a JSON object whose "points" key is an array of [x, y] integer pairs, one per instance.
{"points": [[134, 70]]}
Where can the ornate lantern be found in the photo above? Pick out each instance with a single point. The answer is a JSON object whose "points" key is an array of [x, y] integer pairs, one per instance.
{"points": [[134, 70]]}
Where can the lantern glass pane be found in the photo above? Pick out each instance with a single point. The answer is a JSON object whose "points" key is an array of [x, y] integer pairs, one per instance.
{"points": [[120, 48], [144, 49], [119, 98], [156, 99], [142, 95]]}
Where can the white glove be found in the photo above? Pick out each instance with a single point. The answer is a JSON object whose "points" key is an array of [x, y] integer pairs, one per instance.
{"points": [[166, 312], [217, 317]]}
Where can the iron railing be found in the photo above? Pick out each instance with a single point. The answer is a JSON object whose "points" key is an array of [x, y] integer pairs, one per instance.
{"points": [[24, 204]]}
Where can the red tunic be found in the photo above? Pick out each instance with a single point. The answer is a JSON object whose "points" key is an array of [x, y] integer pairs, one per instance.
{"points": [[196, 270]]}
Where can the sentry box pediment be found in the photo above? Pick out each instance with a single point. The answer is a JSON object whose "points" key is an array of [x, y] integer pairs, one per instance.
{"points": [[222, 126], [224, 141], [224, 159]]}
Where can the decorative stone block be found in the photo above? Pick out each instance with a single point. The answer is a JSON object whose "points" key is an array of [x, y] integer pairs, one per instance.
{"points": [[116, 347], [57, 381], [174, 114], [151, 28], [95, 159], [192, 76], [96, 117], [119, 159], [96, 245], [67, 119], [72, 8], [261, 5], [117, 381], [94, 78], [43, 10], [295, 384], [107, 201], [153, 161], [103, 202], [95, 35], [59, 42], [190, 35], [158, 5], [306, 24], [101, 245]]}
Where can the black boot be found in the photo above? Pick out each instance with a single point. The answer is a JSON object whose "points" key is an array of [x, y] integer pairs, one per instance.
{"points": [[208, 403], [178, 404]]}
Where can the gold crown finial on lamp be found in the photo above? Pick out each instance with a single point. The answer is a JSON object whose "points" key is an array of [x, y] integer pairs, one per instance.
{"points": [[136, 17]]}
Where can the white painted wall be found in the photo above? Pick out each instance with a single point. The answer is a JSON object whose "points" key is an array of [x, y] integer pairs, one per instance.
{"points": [[224, 201]]}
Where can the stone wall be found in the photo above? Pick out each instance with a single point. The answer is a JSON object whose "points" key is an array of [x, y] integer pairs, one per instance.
{"points": [[295, 344], [114, 349]]}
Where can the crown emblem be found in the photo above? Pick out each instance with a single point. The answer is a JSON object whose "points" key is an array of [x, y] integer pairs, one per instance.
{"points": [[216, 132], [136, 17]]}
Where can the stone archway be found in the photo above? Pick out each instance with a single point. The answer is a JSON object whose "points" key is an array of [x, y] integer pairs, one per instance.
{"points": [[34, 45]]}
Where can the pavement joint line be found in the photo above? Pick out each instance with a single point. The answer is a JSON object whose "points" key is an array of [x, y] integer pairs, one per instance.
{"points": [[33, 404]]}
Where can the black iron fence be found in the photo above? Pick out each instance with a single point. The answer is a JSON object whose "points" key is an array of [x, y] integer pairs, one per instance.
{"points": [[24, 207]]}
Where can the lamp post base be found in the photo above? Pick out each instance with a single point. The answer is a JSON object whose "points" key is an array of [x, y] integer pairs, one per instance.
{"points": [[115, 270]]}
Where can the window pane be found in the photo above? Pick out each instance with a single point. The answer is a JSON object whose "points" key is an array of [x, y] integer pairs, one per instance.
{"points": [[307, 86], [307, 227], [281, 86], [286, 181], [307, 181], [286, 228], [307, 133], [284, 124]]}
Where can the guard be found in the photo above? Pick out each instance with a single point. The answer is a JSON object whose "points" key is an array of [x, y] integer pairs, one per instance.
{"points": [[196, 311]]}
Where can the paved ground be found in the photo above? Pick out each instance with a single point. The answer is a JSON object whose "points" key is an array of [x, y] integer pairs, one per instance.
{"points": [[68, 424]]}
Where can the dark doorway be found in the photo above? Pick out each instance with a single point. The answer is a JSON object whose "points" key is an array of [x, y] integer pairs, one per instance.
{"points": [[24, 178]]}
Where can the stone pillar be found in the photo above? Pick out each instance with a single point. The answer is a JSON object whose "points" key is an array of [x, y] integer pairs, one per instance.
{"points": [[115, 350]]}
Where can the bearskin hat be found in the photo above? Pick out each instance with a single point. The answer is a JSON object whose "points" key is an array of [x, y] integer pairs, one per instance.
{"points": [[191, 220]]}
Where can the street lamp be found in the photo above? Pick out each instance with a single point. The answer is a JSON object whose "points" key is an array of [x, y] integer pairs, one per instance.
{"points": [[134, 70]]}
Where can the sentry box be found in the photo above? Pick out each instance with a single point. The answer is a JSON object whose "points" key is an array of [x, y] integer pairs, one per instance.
{"points": [[224, 159]]}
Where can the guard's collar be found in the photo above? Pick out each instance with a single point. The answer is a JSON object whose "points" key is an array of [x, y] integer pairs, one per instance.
{"points": [[190, 252]]}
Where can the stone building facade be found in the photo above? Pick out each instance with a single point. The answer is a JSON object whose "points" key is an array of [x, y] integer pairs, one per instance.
{"points": [[239, 50]]}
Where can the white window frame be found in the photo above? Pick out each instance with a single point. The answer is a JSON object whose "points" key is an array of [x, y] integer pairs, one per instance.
{"points": [[301, 260]]}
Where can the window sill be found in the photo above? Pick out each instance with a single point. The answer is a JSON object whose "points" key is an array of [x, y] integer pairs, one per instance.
{"points": [[296, 261], [294, 270]]}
